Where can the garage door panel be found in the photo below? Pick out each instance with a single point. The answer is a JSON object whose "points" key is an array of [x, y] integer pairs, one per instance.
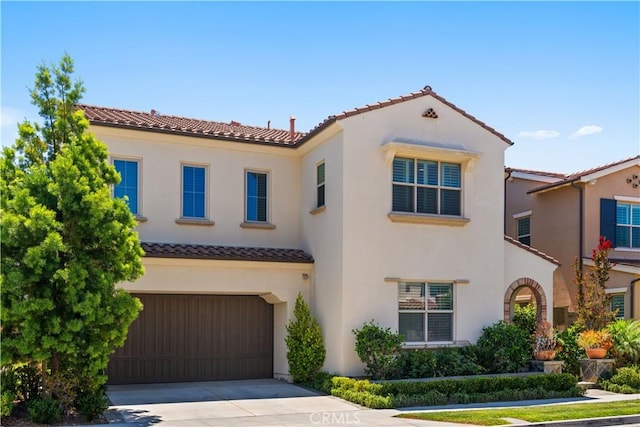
{"points": [[196, 338]]}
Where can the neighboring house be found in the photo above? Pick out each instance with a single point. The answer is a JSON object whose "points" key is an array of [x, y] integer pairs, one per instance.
{"points": [[391, 212], [564, 215]]}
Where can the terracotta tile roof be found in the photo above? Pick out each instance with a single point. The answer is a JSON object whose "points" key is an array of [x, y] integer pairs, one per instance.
{"points": [[532, 250], [426, 91], [153, 121], [578, 175], [230, 253]]}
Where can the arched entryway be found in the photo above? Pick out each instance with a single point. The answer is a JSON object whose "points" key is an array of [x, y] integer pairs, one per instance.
{"points": [[537, 292]]}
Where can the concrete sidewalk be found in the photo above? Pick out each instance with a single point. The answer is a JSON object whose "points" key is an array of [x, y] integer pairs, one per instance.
{"points": [[275, 403]]}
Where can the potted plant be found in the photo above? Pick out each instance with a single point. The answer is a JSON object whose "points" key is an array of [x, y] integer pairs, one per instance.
{"points": [[545, 344], [595, 343]]}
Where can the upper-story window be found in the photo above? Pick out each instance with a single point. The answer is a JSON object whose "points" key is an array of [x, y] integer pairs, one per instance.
{"points": [[426, 186], [129, 187], [320, 185], [425, 311], [524, 230], [628, 225], [256, 197], [194, 191]]}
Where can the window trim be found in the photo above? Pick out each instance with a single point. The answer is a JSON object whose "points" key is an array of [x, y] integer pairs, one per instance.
{"points": [[632, 227], [624, 303], [426, 311], [247, 223], [321, 184], [520, 236], [194, 220], [138, 215]]}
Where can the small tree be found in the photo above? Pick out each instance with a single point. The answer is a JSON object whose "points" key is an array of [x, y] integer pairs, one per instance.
{"points": [[306, 351], [593, 301], [66, 241]]}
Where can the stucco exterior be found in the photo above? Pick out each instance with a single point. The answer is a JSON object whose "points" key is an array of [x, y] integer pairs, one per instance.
{"points": [[362, 250], [565, 217]]}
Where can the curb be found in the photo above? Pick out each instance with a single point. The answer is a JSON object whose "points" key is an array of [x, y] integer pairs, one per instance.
{"points": [[590, 422]]}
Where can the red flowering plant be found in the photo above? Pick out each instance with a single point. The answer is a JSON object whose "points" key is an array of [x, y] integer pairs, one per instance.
{"points": [[593, 301]]}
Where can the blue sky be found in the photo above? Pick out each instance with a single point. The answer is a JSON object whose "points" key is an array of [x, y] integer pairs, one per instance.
{"points": [[560, 79]]}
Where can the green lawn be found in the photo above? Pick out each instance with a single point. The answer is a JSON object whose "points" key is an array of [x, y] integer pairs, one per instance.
{"points": [[494, 417]]}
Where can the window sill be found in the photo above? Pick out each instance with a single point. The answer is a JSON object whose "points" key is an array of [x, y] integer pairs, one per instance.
{"points": [[195, 221], [140, 218], [625, 249], [416, 218], [433, 345], [318, 210], [258, 225]]}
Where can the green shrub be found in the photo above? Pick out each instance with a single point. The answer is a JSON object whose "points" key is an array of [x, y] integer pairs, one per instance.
{"points": [[430, 398], [418, 363], [305, 346], [8, 380], [29, 381], [625, 335], [44, 410], [451, 361], [361, 392], [570, 352], [92, 403], [625, 380], [526, 318], [503, 348], [6, 403], [379, 350], [321, 382]]}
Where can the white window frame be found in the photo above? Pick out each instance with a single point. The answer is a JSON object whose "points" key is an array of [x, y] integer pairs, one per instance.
{"points": [[632, 228], [521, 236], [439, 187], [138, 160], [426, 311], [624, 304]]}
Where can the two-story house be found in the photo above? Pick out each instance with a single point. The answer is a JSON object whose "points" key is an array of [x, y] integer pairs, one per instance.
{"points": [[564, 215], [391, 212]]}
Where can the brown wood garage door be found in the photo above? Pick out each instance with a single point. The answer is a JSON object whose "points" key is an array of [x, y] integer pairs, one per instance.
{"points": [[196, 338]]}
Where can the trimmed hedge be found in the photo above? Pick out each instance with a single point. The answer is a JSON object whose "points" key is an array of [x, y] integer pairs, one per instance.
{"points": [[468, 390]]}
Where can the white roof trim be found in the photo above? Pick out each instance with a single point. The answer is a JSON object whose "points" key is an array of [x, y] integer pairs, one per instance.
{"points": [[618, 267], [610, 170], [535, 177]]}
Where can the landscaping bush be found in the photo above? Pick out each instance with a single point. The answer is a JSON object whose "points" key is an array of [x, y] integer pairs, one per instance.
{"points": [[92, 403], [503, 348], [625, 335], [570, 352], [454, 361], [379, 349], [419, 363], [306, 351], [44, 410], [29, 381], [526, 318], [321, 381], [469, 390], [6, 403], [625, 380]]}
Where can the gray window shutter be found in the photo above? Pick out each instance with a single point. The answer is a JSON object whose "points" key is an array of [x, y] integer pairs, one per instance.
{"points": [[608, 219]]}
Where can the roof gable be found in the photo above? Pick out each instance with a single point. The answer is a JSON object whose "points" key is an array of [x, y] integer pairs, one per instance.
{"points": [[590, 174], [155, 122]]}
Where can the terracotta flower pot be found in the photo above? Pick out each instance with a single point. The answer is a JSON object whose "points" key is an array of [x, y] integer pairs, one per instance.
{"points": [[546, 355], [596, 353]]}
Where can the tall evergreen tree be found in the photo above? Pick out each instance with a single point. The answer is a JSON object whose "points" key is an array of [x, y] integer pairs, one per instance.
{"points": [[65, 241]]}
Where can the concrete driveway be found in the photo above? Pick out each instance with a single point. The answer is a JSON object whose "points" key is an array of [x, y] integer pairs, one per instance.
{"points": [[237, 403]]}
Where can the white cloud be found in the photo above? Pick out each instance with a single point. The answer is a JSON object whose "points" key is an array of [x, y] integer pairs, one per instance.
{"points": [[539, 134], [586, 130]]}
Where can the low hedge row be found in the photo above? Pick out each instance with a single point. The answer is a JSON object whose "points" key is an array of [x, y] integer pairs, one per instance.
{"points": [[469, 390]]}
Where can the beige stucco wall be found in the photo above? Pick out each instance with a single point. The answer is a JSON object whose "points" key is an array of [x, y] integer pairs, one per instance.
{"points": [[374, 248], [161, 156], [277, 283]]}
